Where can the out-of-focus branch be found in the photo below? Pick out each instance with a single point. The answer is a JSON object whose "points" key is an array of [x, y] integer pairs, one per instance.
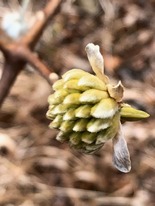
{"points": [[42, 17], [3, 47], [18, 53], [35, 62], [10, 72]]}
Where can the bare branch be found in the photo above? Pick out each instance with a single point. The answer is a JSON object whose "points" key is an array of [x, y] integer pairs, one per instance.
{"points": [[33, 35], [2, 47], [17, 54], [34, 61], [9, 75]]}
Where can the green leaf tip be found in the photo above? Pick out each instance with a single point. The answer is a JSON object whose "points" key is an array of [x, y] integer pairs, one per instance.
{"points": [[128, 113]]}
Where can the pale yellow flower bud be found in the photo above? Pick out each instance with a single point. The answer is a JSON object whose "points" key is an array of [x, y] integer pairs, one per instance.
{"points": [[87, 110]]}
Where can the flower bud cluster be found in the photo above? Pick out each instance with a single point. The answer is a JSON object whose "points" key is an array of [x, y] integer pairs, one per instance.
{"points": [[88, 111], [82, 109]]}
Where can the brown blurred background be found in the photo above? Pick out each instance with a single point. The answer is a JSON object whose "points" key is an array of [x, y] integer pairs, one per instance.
{"points": [[35, 169]]}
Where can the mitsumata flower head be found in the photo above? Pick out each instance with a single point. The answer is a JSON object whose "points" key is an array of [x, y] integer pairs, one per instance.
{"points": [[88, 110]]}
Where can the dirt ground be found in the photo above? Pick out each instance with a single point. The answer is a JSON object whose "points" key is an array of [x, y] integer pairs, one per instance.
{"points": [[37, 170]]}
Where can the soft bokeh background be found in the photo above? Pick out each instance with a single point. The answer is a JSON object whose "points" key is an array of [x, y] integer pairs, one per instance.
{"points": [[37, 170]]}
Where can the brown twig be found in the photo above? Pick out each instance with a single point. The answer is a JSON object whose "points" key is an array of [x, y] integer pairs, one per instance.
{"points": [[35, 62], [42, 17], [10, 72], [17, 54]]}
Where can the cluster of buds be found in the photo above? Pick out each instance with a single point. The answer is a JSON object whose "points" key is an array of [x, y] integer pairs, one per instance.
{"points": [[88, 110]]}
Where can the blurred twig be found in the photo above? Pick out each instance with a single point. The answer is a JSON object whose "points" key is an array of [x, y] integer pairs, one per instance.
{"points": [[18, 53]]}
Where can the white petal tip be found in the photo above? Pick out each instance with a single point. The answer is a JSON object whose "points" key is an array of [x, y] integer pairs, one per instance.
{"points": [[95, 58], [91, 47], [123, 166], [121, 157]]}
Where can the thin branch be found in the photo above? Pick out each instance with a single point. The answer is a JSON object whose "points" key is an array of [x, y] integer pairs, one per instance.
{"points": [[34, 61], [2, 46], [9, 75], [17, 54], [42, 17]]}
